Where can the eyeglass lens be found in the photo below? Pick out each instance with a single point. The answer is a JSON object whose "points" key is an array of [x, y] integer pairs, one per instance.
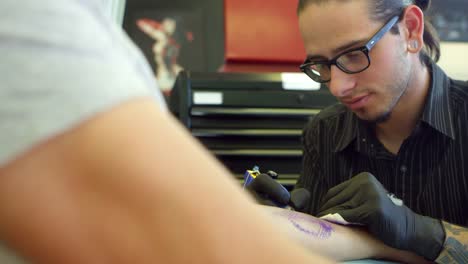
{"points": [[349, 62]]}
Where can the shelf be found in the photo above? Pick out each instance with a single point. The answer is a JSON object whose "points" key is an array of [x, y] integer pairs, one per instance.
{"points": [[247, 132]]}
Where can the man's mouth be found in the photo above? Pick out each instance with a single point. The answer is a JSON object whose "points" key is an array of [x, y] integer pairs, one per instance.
{"points": [[356, 102]]}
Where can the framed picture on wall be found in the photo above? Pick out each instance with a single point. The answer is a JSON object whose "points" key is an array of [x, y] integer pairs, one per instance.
{"points": [[171, 39]]}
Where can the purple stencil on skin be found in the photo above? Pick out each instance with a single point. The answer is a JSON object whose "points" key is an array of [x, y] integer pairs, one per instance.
{"points": [[321, 229]]}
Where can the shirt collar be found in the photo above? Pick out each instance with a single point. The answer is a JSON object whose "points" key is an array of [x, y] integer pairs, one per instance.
{"points": [[437, 112]]}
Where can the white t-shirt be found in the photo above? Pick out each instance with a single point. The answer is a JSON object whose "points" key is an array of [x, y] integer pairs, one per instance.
{"points": [[62, 62]]}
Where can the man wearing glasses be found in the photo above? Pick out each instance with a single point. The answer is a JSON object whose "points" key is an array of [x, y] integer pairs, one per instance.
{"points": [[400, 129]]}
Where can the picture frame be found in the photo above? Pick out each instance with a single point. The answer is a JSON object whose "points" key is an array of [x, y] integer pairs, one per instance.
{"points": [[172, 40]]}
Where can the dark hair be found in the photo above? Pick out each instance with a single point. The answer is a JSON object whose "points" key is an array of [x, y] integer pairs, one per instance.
{"points": [[383, 10]]}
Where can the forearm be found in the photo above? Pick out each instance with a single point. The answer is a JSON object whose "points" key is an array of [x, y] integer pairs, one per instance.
{"points": [[456, 245], [336, 241], [97, 195]]}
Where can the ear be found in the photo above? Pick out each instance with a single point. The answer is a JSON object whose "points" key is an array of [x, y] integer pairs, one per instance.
{"points": [[413, 28]]}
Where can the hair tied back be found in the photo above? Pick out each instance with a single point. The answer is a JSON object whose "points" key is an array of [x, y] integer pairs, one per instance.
{"points": [[423, 4]]}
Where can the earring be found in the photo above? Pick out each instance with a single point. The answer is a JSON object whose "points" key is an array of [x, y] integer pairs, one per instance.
{"points": [[414, 44]]}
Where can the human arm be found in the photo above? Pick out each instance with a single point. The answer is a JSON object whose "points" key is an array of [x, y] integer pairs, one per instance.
{"points": [[456, 245], [336, 241], [310, 185], [310, 177], [131, 186], [363, 199]]}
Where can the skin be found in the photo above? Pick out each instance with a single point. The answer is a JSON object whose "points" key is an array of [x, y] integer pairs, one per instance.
{"points": [[78, 198], [335, 241], [120, 188], [456, 245], [392, 90]]}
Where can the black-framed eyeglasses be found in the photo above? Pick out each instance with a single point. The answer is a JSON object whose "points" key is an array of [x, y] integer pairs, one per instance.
{"points": [[351, 61]]}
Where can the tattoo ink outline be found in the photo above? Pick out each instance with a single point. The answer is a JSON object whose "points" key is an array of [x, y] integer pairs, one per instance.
{"points": [[324, 229]]}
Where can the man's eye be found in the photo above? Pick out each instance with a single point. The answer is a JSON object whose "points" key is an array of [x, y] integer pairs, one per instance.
{"points": [[354, 56], [317, 67]]}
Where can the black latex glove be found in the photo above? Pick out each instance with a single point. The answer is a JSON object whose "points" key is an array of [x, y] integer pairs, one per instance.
{"points": [[268, 191], [364, 200]]}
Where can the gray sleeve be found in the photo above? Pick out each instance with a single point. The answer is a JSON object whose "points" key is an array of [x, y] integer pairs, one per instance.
{"points": [[7, 256], [62, 63]]}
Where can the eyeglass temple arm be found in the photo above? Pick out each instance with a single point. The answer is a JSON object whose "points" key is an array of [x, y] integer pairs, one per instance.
{"points": [[381, 32]]}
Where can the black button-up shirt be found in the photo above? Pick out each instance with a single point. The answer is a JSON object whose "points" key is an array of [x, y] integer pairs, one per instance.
{"points": [[430, 171]]}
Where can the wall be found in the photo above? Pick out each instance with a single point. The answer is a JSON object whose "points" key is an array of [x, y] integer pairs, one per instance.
{"points": [[454, 59]]}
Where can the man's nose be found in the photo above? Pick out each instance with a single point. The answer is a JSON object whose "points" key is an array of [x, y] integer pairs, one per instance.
{"points": [[341, 84]]}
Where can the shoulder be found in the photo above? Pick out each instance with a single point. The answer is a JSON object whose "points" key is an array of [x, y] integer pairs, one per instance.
{"points": [[459, 88], [458, 94], [66, 63]]}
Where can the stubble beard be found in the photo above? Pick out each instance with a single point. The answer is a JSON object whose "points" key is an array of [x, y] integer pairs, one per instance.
{"points": [[397, 89]]}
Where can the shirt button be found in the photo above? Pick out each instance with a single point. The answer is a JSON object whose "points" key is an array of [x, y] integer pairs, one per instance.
{"points": [[403, 168], [363, 140]]}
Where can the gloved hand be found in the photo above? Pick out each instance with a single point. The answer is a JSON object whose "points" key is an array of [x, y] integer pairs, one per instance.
{"points": [[268, 191], [364, 200]]}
